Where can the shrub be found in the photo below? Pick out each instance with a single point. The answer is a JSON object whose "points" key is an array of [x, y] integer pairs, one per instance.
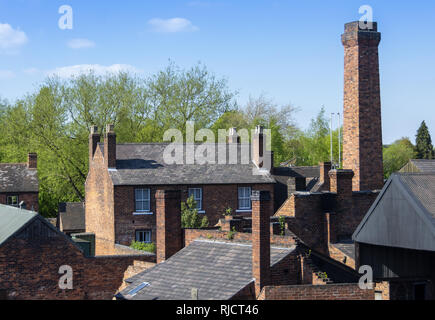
{"points": [[148, 247], [190, 217]]}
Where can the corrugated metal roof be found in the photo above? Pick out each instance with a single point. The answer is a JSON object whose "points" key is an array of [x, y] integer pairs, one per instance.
{"points": [[403, 215], [217, 269], [13, 219], [422, 187]]}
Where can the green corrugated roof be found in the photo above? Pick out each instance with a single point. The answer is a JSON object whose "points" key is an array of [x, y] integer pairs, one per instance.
{"points": [[12, 219]]}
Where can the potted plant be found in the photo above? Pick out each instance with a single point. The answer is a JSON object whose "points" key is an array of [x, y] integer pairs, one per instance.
{"points": [[228, 213]]}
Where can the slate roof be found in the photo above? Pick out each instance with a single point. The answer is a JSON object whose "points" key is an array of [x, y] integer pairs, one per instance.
{"points": [[12, 220], [218, 270], [142, 164], [72, 216], [424, 165], [16, 177], [287, 172]]}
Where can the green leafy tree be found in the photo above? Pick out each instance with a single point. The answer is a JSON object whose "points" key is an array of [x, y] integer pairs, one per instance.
{"points": [[54, 121], [190, 217], [313, 145], [424, 147], [397, 155]]}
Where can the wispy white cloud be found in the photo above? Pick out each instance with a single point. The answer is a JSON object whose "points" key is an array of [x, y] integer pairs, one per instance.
{"points": [[11, 39], [6, 74], [80, 43], [31, 71], [76, 70], [172, 25]]}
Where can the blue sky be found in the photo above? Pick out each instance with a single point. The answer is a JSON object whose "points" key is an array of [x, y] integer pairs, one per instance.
{"points": [[288, 50]]}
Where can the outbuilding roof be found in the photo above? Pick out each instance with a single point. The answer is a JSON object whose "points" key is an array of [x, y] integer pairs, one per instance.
{"points": [[12, 220], [142, 164], [403, 215], [72, 216], [219, 270], [17, 177]]}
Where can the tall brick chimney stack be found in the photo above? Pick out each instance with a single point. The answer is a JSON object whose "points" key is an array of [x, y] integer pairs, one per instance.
{"points": [[261, 207], [168, 221], [325, 167], [94, 139], [362, 128], [32, 161], [110, 146]]}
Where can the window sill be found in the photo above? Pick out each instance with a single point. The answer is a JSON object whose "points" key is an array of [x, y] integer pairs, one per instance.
{"points": [[201, 211], [243, 210], [145, 213]]}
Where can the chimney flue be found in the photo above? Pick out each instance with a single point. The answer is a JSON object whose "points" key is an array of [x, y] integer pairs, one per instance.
{"points": [[94, 139], [341, 182], [110, 147], [261, 212], [32, 161], [258, 147], [168, 221]]}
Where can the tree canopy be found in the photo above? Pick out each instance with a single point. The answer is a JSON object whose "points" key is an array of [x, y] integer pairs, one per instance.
{"points": [[54, 122], [424, 147]]}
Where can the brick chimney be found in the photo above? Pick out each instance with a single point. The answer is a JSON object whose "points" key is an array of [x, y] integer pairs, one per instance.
{"points": [[32, 161], [362, 128], [110, 147], [261, 212], [258, 146], [233, 137], [168, 221], [325, 167], [341, 182], [94, 139]]}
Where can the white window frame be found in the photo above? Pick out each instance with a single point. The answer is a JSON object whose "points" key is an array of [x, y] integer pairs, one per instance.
{"points": [[12, 196], [244, 197], [192, 191], [145, 198], [145, 234]]}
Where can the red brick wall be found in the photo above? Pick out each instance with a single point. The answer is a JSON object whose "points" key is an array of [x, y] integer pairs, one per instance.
{"points": [[317, 292], [30, 198], [216, 198], [99, 205], [30, 261], [192, 234]]}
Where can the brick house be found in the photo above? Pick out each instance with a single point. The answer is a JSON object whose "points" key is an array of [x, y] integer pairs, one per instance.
{"points": [[32, 251], [19, 185], [123, 179]]}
